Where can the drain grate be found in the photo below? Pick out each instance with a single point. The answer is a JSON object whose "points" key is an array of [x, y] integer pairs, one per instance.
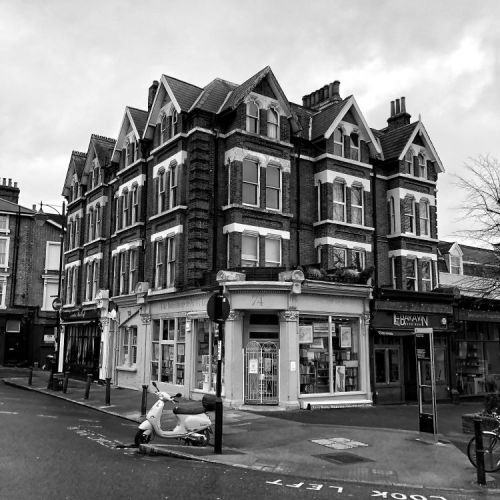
{"points": [[343, 458]]}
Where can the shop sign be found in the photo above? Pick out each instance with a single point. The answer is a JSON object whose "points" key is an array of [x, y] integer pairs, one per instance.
{"points": [[410, 320], [79, 314]]}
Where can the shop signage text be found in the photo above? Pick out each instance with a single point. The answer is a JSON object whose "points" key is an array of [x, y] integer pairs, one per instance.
{"points": [[413, 320]]}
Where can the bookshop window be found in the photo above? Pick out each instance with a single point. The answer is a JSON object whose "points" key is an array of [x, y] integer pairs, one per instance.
{"points": [[328, 350], [206, 356], [168, 350]]}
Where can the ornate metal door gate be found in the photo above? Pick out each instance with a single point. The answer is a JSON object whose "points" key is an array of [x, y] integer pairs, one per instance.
{"points": [[261, 373]]}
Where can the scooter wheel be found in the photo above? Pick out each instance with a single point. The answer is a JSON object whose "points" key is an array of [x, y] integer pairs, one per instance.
{"points": [[205, 440], [141, 437]]}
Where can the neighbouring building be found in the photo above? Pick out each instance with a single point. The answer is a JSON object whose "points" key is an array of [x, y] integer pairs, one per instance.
{"points": [[29, 279], [289, 208], [474, 274]]}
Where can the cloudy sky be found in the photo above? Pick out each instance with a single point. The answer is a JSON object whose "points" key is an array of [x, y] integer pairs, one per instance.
{"points": [[70, 67]]}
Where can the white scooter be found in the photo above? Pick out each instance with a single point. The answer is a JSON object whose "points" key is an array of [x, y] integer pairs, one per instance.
{"points": [[193, 424]]}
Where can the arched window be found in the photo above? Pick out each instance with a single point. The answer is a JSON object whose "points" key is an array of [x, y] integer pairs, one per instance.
{"points": [[272, 123], [97, 213], [408, 162], [90, 221], [173, 188], [126, 208], [354, 146], [135, 203], [339, 200], [424, 218], [163, 128], [252, 117], [392, 215], [174, 123], [422, 167], [338, 142]]}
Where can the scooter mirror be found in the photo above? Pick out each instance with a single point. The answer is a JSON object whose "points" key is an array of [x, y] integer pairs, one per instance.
{"points": [[154, 384], [178, 395]]}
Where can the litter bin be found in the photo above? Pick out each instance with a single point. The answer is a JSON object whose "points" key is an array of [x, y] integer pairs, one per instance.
{"points": [[56, 379]]}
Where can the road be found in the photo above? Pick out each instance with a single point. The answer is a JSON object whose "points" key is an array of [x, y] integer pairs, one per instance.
{"points": [[53, 449]]}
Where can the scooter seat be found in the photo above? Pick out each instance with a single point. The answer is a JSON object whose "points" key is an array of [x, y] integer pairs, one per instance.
{"points": [[193, 408]]}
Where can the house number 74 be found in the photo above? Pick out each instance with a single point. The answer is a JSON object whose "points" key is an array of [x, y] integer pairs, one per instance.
{"points": [[257, 300]]}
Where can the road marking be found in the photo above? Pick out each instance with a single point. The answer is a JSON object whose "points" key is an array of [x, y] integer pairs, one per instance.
{"points": [[47, 416], [9, 412], [339, 443], [87, 420]]}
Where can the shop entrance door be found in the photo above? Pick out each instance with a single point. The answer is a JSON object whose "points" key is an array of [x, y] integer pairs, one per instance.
{"points": [[261, 373], [388, 379]]}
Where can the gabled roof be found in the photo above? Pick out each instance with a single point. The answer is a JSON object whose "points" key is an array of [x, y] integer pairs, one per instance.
{"points": [[213, 95], [76, 166], [322, 120], [338, 113], [103, 147], [396, 142], [238, 95], [137, 119], [14, 208]]}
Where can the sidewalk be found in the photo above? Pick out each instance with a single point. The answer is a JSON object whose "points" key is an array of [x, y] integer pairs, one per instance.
{"points": [[299, 444]]}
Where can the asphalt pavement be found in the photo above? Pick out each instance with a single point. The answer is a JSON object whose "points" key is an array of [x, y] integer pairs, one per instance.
{"points": [[377, 445]]}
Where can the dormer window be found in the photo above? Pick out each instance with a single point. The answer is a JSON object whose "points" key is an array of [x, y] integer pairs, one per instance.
{"points": [[174, 123], [422, 167], [338, 142], [272, 123], [252, 117], [455, 264], [95, 175], [164, 128], [408, 162], [130, 152], [354, 146]]}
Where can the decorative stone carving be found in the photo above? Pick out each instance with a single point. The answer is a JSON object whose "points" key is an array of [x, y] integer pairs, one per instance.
{"points": [[234, 315], [290, 315], [146, 319]]}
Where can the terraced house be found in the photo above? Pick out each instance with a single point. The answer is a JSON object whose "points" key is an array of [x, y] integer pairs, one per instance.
{"points": [[290, 208]]}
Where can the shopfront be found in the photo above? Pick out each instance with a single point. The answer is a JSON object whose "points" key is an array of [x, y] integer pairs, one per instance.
{"points": [[284, 345], [394, 373], [82, 341], [477, 351]]}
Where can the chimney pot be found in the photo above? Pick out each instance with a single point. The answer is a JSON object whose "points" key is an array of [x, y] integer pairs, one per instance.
{"points": [[10, 182], [398, 109], [335, 96], [152, 92], [326, 92], [15, 184], [321, 93], [393, 112], [403, 105], [34, 208], [4, 181]]}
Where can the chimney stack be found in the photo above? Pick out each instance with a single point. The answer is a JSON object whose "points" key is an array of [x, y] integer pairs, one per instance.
{"points": [[151, 93], [8, 191], [325, 95], [399, 117]]}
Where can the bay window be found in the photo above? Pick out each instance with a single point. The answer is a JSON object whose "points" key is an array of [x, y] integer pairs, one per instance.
{"points": [[273, 252], [426, 276], [411, 274], [339, 200], [339, 257], [273, 187], [173, 188], [357, 205], [424, 218], [250, 195], [409, 214], [249, 250]]}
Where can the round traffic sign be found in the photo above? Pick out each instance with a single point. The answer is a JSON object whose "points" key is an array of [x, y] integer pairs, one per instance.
{"points": [[218, 307], [56, 304]]}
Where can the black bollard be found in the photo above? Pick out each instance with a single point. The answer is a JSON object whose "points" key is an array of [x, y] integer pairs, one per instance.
{"points": [[51, 379], [108, 391], [481, 477], [30, 376], [87, 387], [65, 383], [144, 402]]}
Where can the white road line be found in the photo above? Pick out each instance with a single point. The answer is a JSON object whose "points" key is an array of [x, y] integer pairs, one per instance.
{"points": [[9, 412], [47, 416]]}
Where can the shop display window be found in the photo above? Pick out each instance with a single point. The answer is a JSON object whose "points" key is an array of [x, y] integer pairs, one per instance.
{"points": [[328, 350], [206, 356], [168, 350], [478, 358]]}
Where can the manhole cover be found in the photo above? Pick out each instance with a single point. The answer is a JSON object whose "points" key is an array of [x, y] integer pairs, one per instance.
{"points": [[343, 458]]}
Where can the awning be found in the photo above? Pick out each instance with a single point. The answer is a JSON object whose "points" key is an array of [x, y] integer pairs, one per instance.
{"points": [[80, 322]]}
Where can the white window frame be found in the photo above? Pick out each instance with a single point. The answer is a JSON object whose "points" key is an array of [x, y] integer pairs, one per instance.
{"points": [[424, 216], [74, 284], [252, 121], [422, 166], [128, 347], [171, 253], [340, 254], [414, 278], [410, 215], [173, 187], [174, 123], [97, 225], [132, 269], [457, 265], [5, 262], [360, 207], [254, 185], [392, 215], [341, 204], [164, 128], [362, 259], [273, 240], [3, 291], [250, 260], [125, 208], [158, 252], [408, 162], [123, 272], [273, 124], [274, 189], [135, 204], [88, 280], [52, 257], [355, 153], [393, 273], [90, 218], [338, 131], [162, 178], [5, 227], [95, 278], [425, 280]]}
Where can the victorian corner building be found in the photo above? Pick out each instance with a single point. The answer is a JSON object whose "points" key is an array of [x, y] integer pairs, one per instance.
{"points": [[320, 229]]}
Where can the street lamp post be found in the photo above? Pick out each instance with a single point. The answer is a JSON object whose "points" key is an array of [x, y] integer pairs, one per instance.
{"points": [[57, 302]]}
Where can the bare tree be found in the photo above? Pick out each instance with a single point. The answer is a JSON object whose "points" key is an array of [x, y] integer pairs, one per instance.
{"points": [[481, 185]]}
